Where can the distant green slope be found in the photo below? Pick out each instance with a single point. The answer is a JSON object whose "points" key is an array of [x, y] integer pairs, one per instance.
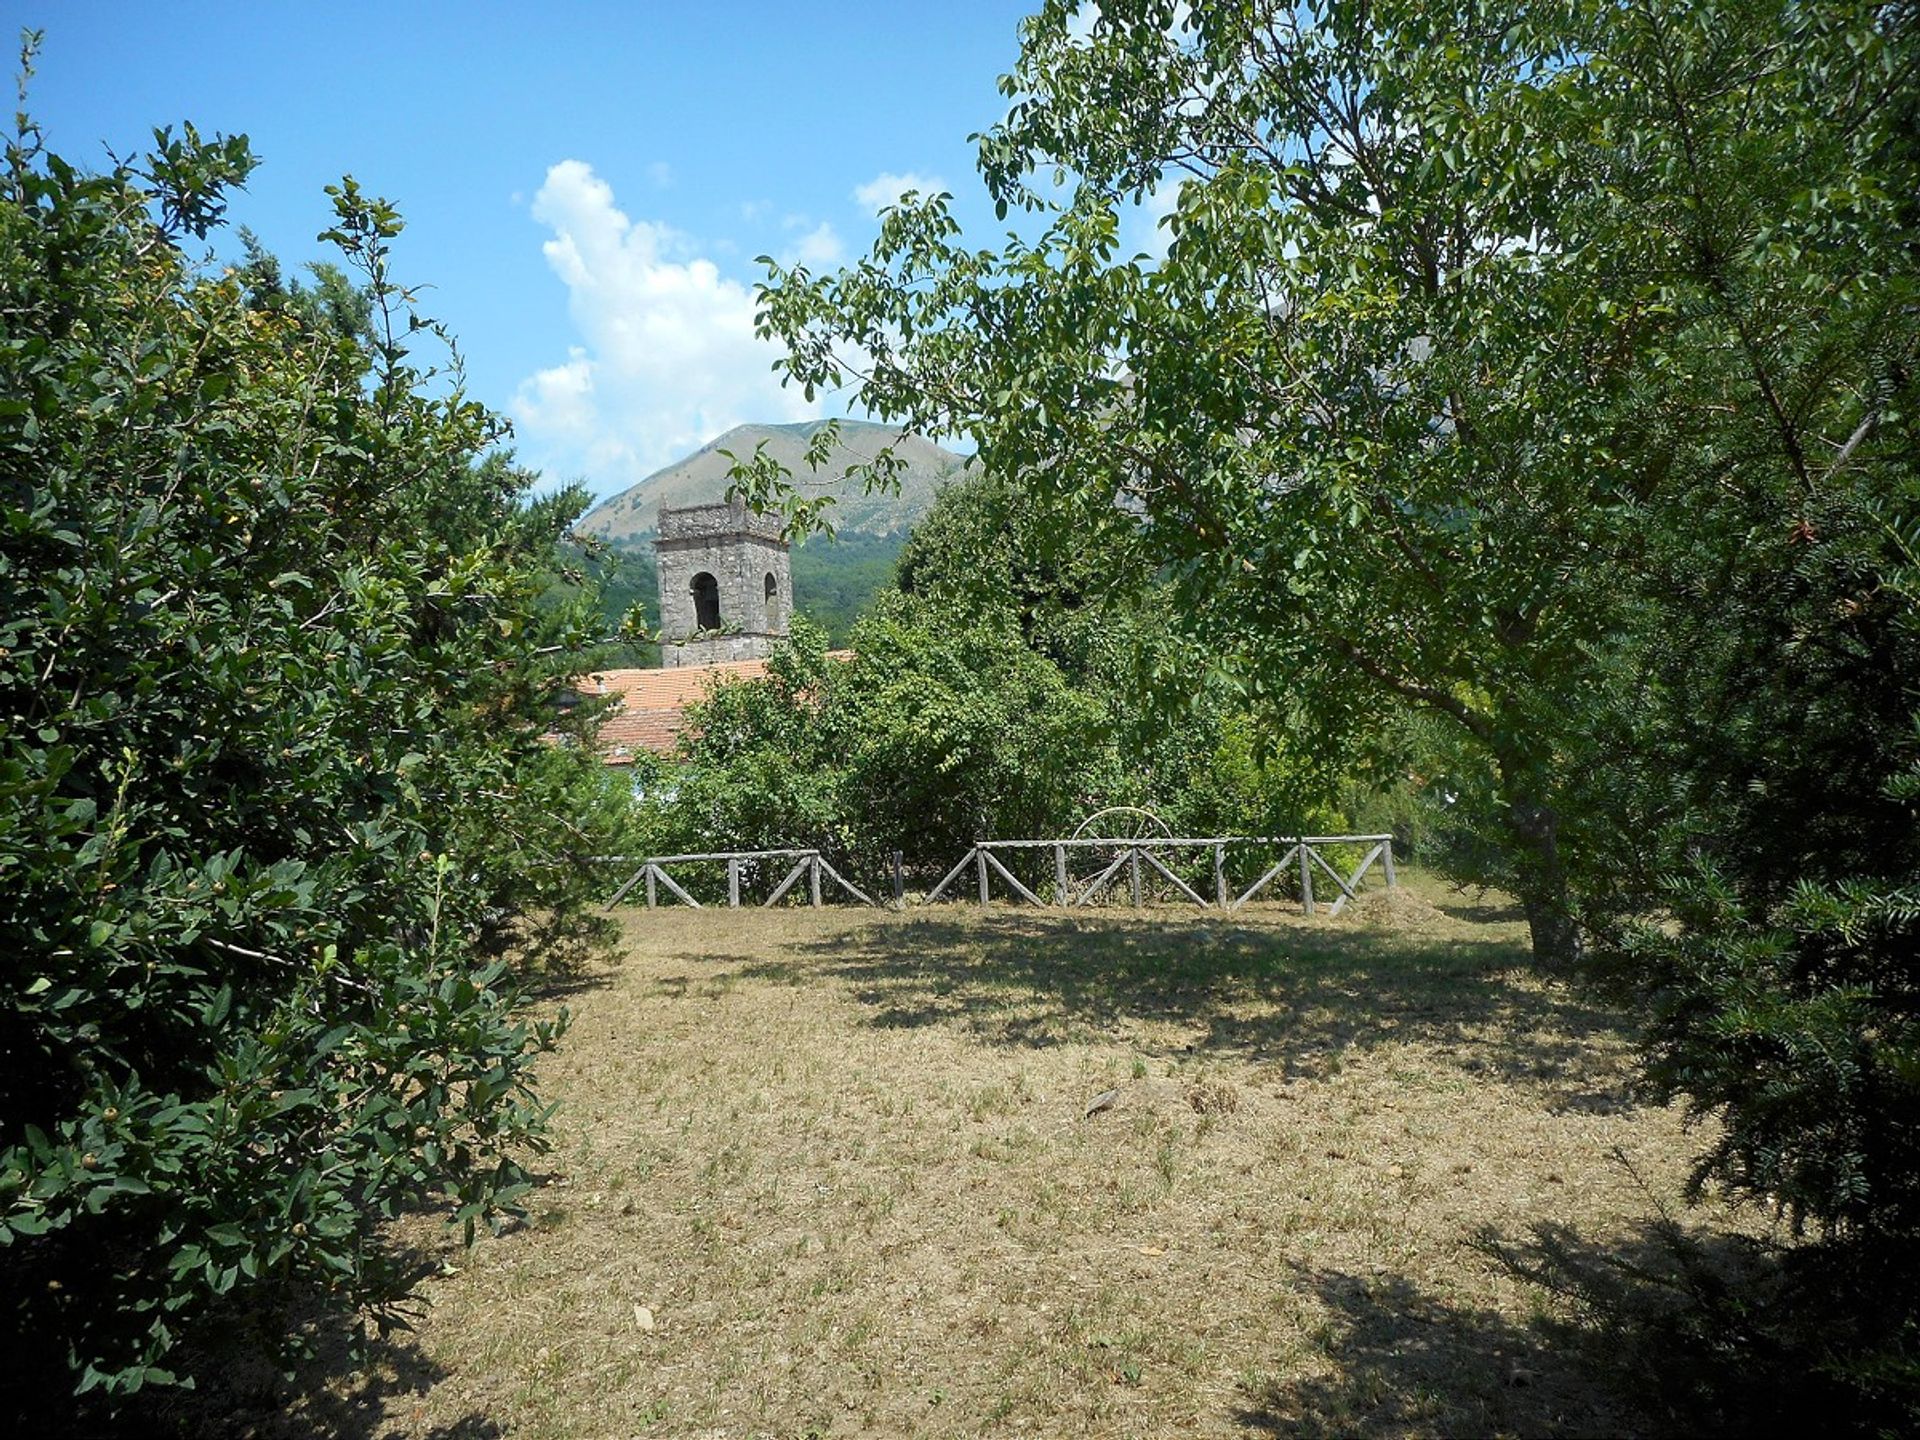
{"points": [[834, 581]]}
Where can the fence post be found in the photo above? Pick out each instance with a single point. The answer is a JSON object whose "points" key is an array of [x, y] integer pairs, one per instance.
{"points": [[652, 886], [899, 882], [733, 883], [1060, 896], [1306, 877], [1133, 864], [1220, 876], [980, 864], [1386, 860], [814, 876]]}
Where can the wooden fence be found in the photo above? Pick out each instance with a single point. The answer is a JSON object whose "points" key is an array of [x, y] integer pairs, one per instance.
{"points": [[1139, 858], [1140, 861], [810, 863]]}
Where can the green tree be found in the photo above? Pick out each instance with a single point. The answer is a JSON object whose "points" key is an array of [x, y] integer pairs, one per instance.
{"points": [[1003, 691], [965, 733], [274, 671], [1399, 410], [940, 730], [762, 766], [1186, 738], [1548, 368], [1779, 777], [332, 304], [1753, 767]]}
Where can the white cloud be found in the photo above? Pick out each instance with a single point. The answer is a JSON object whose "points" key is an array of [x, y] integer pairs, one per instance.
{"points": [[667, 358], [886, 188], [818, 248], [560, 400], [661, 174]]}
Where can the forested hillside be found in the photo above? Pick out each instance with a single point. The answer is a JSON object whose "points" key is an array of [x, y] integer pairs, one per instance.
{"points": [[835, 575]]}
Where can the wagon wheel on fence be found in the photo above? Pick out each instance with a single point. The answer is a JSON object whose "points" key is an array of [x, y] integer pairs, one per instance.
{"points": [[1122, 825]]}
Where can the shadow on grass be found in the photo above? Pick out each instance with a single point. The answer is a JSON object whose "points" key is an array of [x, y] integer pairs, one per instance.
{"points": [[551, 987], [556, 955], [1295, 995], [1659, 1332], [1480, 910], [1404, 1361], [1725, 1334], [336, 1395], [344, 1385]]}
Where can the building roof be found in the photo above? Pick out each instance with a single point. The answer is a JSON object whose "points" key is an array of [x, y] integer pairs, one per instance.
{"points": [[652, 702]]}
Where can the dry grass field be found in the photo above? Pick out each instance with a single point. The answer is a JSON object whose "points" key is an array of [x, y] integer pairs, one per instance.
{"points": [[833, 1173]]}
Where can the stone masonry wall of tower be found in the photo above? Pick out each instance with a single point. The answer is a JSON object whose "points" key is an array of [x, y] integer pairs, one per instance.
{"points": [[741, 550]]}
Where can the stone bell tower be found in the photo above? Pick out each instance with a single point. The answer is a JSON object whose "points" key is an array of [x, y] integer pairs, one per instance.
{"points": [[726, 584]]}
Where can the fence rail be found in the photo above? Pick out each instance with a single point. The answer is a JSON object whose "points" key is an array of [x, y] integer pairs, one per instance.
{"points": [[810, 863], [1142, 860], [1138, 857]]}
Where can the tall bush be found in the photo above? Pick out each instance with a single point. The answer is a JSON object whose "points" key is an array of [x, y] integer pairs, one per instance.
{"points": [[272, 788]]}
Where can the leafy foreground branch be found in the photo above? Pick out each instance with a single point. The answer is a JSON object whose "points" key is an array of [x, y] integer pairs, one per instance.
{"points": [[272, 791]]}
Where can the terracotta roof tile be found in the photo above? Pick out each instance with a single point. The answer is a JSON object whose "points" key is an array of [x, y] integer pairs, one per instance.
{"points": [[663, 689], [653, 702]]}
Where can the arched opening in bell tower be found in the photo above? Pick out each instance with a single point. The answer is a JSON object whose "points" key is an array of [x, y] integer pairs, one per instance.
{"points": [[706, 601]]}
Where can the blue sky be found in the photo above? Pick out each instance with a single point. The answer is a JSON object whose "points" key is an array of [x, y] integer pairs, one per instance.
{"points": [[585, 185]]}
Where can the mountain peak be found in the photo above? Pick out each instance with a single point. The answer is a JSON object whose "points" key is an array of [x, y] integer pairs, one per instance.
{"points": [[701, 478]]}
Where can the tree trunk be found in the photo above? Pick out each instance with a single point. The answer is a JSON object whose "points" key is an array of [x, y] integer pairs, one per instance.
{"points": [[1542, 883]]}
